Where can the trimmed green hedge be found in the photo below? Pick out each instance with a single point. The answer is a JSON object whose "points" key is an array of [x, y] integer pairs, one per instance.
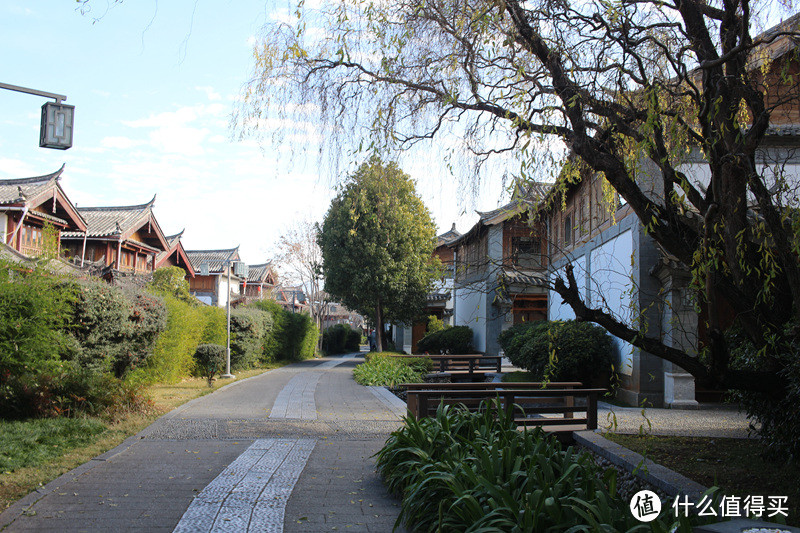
{"points": [[451, 340], [560, 351], [293, 336], [341, 338]]}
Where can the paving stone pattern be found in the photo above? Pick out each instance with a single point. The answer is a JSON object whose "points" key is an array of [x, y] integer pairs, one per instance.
{"points": [[223, 463], [251, 493]]}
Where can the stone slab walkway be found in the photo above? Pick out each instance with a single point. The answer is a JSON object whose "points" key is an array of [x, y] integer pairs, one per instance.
{"points": [[289, 450]]}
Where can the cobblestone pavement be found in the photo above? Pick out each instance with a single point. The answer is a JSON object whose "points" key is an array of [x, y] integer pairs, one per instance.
{"points": [[289, 450]]}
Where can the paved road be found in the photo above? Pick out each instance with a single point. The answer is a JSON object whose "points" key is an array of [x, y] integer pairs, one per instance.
{"points": [[289, 450]]}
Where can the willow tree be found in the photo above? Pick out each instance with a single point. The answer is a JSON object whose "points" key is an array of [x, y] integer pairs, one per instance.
{"points": [[628, 88], [377, 242]]}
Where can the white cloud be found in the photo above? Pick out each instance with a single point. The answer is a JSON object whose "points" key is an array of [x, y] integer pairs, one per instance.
{"points": [[210, 93], [15, 168], [122, 143]]}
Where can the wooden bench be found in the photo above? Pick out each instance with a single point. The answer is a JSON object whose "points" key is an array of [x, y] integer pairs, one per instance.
{"points": [[459, 366], [530, 404]]}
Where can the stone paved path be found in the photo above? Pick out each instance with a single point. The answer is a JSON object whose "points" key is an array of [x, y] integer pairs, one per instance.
{"points": [[289, 450]]}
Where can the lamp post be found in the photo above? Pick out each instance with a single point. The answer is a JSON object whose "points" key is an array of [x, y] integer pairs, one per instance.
{"points": [[57, 118], [227, 374], [241, 270]]}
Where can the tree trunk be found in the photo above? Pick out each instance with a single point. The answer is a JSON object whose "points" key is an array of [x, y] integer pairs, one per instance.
{"points": [[378, 327]]}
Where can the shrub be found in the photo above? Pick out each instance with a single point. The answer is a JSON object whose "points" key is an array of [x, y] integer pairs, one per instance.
{"points": [[216, 328], [452, 340], [464, 471], [341, 338], [210, 360], [71, 391], [172, 281], [561, 351], [293, 336], [172, 356], [250, 328], [384, 370], [777, 413], [115, 328], [435, 324], [34, 310]]}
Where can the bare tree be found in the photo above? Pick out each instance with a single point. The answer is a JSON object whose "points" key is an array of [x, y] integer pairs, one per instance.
{"points": [[301, 257]]}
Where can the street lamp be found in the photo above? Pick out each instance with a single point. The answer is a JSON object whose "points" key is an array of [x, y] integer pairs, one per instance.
{"points": [[57, 118], [241, 270]]}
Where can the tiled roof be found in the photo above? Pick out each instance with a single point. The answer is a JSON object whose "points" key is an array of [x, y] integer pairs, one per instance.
{"points": [[284, 294], [258, 273], [37, 190], [784, 131], [531, 277], [214, 258], [448, 236], [18, 190], [531, 195], [114, 220], [172, 240], [438, 296]]}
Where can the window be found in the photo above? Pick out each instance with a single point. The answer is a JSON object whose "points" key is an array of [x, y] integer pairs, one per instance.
{"points": [[526, 251], [568, 230]]}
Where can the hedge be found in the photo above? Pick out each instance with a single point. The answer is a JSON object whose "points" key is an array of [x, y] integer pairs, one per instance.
{"points": [[341, 338], [560, 351], [451, 340]]}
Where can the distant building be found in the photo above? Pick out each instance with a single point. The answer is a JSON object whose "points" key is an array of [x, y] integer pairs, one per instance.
{"points": [[175, 255], [500, 271], [27, 205], [260, 282], [123, 239], [292, 299], [440, 299], [211, 286]]}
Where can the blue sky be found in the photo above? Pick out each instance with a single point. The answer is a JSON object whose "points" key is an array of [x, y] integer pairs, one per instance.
{"points": [[154, 84]]}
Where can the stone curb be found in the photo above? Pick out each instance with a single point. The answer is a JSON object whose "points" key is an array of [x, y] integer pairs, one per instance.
{"points": [[659, 476]]}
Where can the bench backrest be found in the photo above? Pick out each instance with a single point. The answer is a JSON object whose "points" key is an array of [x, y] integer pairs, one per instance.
{"points": [[521, 402]]}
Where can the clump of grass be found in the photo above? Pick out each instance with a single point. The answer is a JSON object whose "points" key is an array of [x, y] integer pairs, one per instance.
{"points": [[462, 471], [30, 442], [385, 370]]}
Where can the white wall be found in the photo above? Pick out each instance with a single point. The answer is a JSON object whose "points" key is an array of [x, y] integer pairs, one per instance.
{"points": [[3, 226], [612, 288], [470, 310], [557, 309]]}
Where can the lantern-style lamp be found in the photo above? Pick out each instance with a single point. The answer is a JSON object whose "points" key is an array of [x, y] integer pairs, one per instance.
{"points": [[57, 121]]}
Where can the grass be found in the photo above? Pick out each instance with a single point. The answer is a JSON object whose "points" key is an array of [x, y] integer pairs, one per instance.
{"points": [[35, 452], [735, 465], [384, 370]]}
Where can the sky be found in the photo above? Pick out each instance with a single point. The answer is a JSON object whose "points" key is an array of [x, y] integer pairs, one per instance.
{"points": [[154, 84]]}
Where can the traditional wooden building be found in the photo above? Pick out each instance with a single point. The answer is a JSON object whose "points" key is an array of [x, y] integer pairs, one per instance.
{"points": [[210, 284], [124, 239], [291, 298], [500, 271], [29, 205], [620, 268], [260, 282], [175, 255]]}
